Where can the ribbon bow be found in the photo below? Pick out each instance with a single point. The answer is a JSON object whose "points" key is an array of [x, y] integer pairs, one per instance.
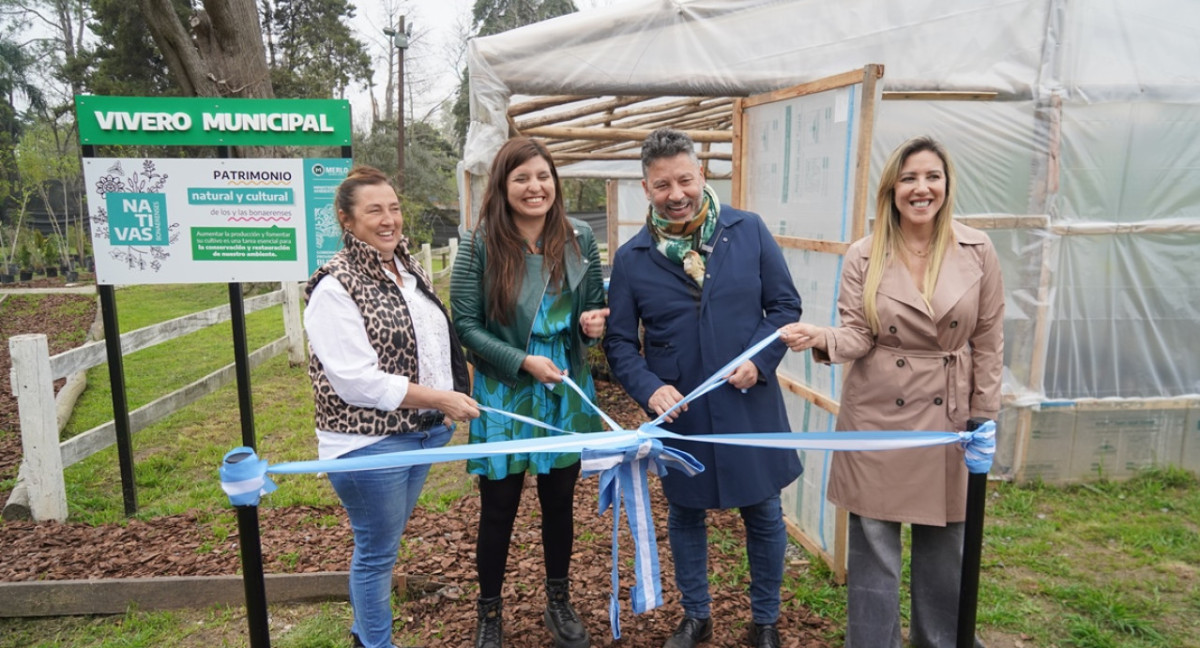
{"points": [[623, 479]]}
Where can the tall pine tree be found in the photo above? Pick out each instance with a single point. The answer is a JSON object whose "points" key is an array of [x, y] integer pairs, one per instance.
{"points": [[311, 50]]}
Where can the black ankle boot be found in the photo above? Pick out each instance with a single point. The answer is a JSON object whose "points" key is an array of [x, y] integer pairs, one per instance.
{"points": [[490, 631], [561, 620]]}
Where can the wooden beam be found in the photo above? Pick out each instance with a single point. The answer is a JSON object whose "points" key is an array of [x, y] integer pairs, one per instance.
{"points": [[612, 210], [468, 217], [541, 103], [578, 156], [816, 245], [820, 85], [1149, 227], [1005, 221], [738, 197], [115, 595], [841, 535], [814, 548], [870, 76], [809, 394], [618, 134], [675, 116], [583, 111], [940, 95]]}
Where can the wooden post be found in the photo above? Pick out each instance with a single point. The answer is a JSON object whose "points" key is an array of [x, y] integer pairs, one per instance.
{"points": [[453, 243], [427, 258], [871, 92], [33, 384], [612, 215], [292, 326]]}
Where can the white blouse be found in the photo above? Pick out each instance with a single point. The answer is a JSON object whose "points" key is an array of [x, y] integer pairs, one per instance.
{"points": [[338, 337]]}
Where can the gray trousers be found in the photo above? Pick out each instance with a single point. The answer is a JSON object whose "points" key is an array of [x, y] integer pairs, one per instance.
{"points": [[873, 584]]}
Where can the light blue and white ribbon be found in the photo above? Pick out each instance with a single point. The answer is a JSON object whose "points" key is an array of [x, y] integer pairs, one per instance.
{"points": [[623, 480], [244, 477], [980, 448], [622, 458]]}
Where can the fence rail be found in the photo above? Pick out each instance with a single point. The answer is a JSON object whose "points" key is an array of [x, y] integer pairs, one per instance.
{"points": [[40, 492]]}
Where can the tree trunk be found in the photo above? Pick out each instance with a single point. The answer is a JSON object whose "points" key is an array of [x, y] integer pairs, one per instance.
{"points": [[222, 56]]}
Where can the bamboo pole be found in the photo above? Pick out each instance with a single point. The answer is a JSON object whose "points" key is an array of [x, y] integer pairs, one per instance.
{"points": [[617, 134]]}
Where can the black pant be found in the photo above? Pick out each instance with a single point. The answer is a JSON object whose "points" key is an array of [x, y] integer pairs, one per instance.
{"points": [[499, 500]]}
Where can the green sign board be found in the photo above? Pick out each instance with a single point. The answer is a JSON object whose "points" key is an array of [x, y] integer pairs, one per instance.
{"points": [[212, 121]]}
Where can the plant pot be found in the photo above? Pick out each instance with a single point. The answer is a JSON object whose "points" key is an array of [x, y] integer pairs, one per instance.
{"points": [[51, 271], [72, 276], [26, 275], [7, 278]]}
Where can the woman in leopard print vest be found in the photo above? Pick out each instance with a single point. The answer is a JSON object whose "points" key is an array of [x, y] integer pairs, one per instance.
{"points": [[388, 375]]}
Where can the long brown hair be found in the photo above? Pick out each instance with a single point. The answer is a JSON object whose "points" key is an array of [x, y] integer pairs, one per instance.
{"points": [[504, 245], [887, 242]]}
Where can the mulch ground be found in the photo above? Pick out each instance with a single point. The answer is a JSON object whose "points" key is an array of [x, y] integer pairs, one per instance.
{"points": [[438, 554]]}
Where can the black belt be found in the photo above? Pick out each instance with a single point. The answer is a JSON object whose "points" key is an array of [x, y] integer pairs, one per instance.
{"points": [[429, 420]]}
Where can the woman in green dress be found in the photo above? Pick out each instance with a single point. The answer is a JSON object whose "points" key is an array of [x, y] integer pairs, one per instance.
{"points": [[527, 296]]}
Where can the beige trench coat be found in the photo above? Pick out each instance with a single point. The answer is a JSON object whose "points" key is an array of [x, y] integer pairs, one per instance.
{"points": [[922, 372]]}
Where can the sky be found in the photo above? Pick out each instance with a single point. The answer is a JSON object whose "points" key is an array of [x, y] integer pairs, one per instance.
{"points": [[433, 60], [435, 57]]}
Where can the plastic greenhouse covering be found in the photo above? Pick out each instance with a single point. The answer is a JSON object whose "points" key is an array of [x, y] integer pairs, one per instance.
{"points": [[1093, 134]]}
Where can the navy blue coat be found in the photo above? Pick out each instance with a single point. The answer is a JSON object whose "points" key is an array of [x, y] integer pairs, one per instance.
{"points": [[691, 333]]}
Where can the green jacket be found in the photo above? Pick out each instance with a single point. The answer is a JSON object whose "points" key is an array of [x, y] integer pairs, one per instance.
{"points": [[498, 351]]}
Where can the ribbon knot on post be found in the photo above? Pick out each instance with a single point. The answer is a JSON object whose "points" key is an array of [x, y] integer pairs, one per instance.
{"points": [[244, 477], [980, 447]]}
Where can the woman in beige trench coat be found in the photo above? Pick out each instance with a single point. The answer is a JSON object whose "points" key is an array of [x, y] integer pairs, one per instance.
{"points": [[922, 309]]}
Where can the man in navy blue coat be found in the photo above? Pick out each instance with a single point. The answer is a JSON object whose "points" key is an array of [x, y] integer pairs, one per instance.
{"points": [[704, 282]]}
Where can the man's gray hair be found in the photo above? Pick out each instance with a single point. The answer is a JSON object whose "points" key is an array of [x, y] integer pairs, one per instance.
{"points": [[666, 143]]}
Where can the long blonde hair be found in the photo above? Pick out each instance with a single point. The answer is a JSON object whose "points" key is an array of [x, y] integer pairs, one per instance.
{"points": [[887, 241]]}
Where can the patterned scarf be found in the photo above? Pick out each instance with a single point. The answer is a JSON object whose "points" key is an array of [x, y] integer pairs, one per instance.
{"points": [[682, 242]]}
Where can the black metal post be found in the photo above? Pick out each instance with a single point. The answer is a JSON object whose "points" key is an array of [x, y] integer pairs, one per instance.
{"points": [[968, 594], [250, 544], [241, 358], [241, 353], [116, 377]]}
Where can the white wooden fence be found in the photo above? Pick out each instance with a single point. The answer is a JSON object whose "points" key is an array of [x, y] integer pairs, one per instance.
{"points": [[40, 492]]}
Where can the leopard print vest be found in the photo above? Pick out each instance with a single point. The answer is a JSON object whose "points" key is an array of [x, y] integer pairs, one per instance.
{"points": [[358, 268]]}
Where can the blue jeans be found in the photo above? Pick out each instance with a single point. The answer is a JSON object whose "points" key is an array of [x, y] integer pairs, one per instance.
{"points": [[766, 542], [379, 503]]}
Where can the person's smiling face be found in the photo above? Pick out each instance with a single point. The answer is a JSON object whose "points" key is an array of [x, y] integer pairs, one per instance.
{"points": [[674, 186], [920, 189], [376, 219], [531, 189]]}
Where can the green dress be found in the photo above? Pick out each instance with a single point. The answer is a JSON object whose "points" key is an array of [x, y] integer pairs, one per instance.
{"points": [[561, 406]]}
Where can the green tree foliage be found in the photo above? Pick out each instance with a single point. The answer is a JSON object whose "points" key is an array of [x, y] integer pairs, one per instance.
{"points": [[584, 194], [496, 16], [47, 154], [54, 33], [18, 89], [311, 50], [125, 61], [429, 181]]}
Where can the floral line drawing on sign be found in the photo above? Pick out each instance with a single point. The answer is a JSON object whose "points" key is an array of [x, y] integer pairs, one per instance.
{"points": [[132, 215]]}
